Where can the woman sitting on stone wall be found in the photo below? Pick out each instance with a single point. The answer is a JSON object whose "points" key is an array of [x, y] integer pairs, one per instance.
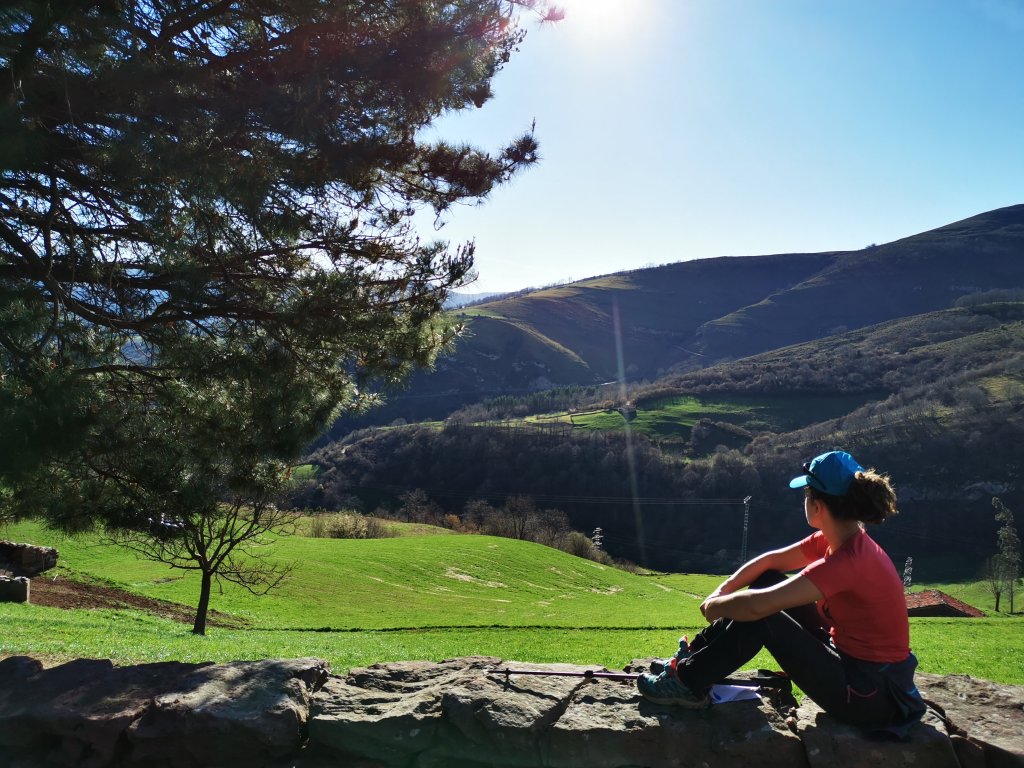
{"points": [[839, 629]]}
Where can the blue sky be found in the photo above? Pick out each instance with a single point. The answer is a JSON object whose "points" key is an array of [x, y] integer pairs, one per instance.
{"points": [[682, 129]]}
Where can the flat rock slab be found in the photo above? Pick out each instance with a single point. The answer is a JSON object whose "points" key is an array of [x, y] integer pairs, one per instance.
{"points": [[91, 714], [985, 719], [460, 713], [467, 713], [829, 743], [463, 713]]}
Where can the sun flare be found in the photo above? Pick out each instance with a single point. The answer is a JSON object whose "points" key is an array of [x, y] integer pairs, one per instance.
{"points": [[596, 16]]}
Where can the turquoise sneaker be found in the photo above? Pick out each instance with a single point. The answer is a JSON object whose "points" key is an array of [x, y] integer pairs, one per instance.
{"points": [[660, 665], [667, 689]]}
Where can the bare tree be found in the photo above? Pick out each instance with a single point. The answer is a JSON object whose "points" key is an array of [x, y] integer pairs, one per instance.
{"points": [[520, 511], [477, 512], [994, 578], [1009, 549], [549, 527], [417, 507], [225, 542]]}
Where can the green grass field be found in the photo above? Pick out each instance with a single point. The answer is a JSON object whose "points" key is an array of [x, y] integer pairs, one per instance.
{"points": [[675, 417], [410, 582], [305, 472], [356, 603]]}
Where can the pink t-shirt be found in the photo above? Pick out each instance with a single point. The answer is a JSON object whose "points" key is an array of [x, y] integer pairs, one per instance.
{"points": [[864, 599]]}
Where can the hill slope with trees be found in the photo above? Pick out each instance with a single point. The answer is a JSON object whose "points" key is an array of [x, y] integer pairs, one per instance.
{"points": [[689, 315], [934, 399]]}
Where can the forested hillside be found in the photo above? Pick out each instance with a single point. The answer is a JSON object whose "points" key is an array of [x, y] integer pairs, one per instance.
{"points": [[888, 357], [910, 355], [689, 315], [935, 400]]}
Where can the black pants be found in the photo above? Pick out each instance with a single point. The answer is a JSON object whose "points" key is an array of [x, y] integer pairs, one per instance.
{"points": [[850, 690]]}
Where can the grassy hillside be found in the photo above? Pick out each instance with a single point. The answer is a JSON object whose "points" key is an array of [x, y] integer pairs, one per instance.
{"points": [[907, 277], [673, 418], [379, 591], [573, 334], [414, 582], [936, 400], [654, 310]]}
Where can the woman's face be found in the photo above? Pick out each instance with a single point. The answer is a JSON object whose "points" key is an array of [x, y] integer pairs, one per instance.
{"points": [[812, 510]]}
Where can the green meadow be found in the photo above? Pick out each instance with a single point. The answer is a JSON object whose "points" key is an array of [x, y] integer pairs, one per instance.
{"points": [[359, 602], [675, 417]]}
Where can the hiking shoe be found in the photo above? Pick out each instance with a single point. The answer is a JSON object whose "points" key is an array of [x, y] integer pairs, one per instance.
{"points": [[660, 665], [666, 688]]}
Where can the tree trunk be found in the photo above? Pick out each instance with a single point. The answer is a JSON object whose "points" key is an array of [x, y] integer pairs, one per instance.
{"points": [[199, 627], [997, 601]]}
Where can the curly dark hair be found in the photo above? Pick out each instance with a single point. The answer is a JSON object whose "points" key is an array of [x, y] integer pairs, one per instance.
{"points": [[871, 499]]}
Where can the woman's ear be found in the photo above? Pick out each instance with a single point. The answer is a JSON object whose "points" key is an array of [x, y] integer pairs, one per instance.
{"points": [[817, 505]]}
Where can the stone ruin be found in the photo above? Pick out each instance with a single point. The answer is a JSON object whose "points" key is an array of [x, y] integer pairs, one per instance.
{"points": [[14, 590], [461, 713], [25, 560], [18, 564]]}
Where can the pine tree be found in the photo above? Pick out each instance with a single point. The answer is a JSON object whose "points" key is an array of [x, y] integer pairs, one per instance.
{"points": [[205, 242]]}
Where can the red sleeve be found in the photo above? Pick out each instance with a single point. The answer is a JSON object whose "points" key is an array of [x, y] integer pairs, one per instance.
{"points": [[832, 575], [814, 546]]}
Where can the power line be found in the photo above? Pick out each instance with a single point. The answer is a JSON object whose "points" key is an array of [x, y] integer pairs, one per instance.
{"points": [[548, 497], [907, 535]]}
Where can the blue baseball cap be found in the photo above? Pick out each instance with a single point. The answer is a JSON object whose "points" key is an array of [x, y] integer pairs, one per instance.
{"points": [[829, 473]]}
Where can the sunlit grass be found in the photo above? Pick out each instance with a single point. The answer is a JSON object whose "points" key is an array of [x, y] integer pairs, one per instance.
{"points": [[305, 471], [356, 603], [425, 581], [599, 420], [992, 649], [675, 417]]}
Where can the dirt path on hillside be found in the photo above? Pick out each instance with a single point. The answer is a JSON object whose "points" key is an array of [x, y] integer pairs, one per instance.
{"points": [[64, 593]]}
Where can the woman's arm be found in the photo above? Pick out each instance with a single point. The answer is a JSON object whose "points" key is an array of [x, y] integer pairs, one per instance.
{"points": [[754, 604], [786, 559]]}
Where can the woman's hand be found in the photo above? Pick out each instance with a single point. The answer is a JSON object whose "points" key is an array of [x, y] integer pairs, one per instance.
{"points": [[708, 605], [754, 604]]}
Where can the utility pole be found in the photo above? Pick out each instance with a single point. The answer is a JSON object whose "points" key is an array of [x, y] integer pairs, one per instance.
{"points": [[746, 528]]}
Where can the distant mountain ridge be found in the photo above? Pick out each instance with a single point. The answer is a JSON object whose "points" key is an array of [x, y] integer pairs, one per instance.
{"points": [[458, 299], [917, 274], [644, 323], [909, 354]]}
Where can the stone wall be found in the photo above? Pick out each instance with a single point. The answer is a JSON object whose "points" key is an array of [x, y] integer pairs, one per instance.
{"points": [[25, 560], [460, 713]]}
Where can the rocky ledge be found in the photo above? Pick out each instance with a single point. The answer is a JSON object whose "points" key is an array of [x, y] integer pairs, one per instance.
{"points": [[461, 713]]}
